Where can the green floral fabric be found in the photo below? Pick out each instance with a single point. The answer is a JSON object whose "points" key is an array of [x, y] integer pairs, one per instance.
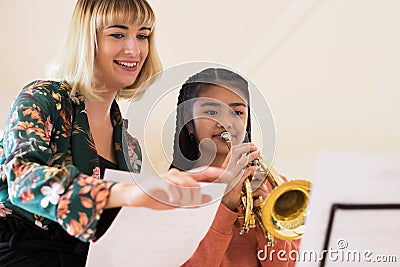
{"points": [[49, 165]]}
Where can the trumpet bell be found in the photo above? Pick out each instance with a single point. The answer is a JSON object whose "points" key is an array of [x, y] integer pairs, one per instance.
{"points": [[285, 209]]}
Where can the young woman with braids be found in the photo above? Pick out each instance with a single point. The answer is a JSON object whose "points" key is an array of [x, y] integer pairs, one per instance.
{"points": [[211, 102]]}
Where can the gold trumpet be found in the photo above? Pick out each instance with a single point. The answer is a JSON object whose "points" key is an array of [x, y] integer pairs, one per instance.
{"points": [[283, 212]]}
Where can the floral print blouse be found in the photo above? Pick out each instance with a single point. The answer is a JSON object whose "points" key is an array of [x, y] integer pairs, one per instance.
{"points": [[49, 167]]}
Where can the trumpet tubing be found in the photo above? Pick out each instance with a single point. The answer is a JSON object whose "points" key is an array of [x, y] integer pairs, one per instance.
{"points": [[283, 212]]}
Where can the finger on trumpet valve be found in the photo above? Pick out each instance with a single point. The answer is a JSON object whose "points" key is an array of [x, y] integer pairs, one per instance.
{"points": [[253, 163]]}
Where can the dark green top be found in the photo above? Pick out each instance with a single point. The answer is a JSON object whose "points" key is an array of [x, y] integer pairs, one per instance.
{"points": [[50, 168]]}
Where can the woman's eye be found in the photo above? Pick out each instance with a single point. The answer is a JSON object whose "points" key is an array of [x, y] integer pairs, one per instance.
{"points": [[117, 35], [237, 112], [142, 37], [211, 112]]}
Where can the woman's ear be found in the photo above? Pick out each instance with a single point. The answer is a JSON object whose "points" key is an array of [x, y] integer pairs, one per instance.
{"points": [[189, 125], [190, 128]]}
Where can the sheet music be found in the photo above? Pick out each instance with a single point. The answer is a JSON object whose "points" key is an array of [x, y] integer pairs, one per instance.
{"points": [[363, 237], [146, 237], [354, 179]]}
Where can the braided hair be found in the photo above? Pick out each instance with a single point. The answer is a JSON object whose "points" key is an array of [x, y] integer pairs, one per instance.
{"points": [[185, 146]]}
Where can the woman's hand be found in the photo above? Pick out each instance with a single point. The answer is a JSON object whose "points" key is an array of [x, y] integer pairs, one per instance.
{"points": [[173, 189], [236, 163], [262, 191]]}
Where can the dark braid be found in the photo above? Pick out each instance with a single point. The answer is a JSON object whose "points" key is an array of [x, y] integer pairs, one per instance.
{"points": [[185, 146]]}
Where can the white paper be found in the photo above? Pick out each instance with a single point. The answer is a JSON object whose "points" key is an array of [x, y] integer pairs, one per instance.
{"points": [[354, 178], [365, 237], [146, 237]]}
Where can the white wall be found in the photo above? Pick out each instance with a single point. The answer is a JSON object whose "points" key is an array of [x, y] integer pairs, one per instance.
{"points": [[326, 67]]}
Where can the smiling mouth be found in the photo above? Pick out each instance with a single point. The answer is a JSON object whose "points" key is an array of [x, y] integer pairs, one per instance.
{"points": [[126, 64]]}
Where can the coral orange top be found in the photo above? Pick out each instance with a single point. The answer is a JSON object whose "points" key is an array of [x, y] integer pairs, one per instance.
{"points": [[224, 246]]}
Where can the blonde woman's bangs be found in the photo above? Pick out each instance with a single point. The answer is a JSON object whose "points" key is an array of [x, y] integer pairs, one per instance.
{"points": [[128, 12], [89, 18]]}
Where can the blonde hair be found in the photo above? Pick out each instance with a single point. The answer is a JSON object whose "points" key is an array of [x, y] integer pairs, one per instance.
{"points": [[75, 62]]}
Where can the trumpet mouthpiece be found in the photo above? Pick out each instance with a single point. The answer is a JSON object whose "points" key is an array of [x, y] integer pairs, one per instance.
{"points": [[226, 136]]}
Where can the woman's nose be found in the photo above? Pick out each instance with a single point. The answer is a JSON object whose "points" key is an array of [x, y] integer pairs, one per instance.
{"points": [[224, 122], [132, 47]]}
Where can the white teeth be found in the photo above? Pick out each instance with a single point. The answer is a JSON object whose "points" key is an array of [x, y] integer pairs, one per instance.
{"points": [[128, 64]]}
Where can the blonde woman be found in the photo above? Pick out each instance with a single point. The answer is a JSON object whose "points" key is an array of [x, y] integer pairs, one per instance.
{"points": [[62, 133]]}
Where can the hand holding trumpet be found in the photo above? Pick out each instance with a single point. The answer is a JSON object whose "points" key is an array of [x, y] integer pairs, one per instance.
{"points": [[237, 162], [283, 212]]}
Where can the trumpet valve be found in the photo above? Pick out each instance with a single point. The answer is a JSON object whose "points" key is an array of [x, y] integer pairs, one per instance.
{"points": [[252, 222]]}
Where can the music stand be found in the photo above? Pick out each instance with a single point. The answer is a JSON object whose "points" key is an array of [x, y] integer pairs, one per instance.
{"points": [[354, 217]]}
